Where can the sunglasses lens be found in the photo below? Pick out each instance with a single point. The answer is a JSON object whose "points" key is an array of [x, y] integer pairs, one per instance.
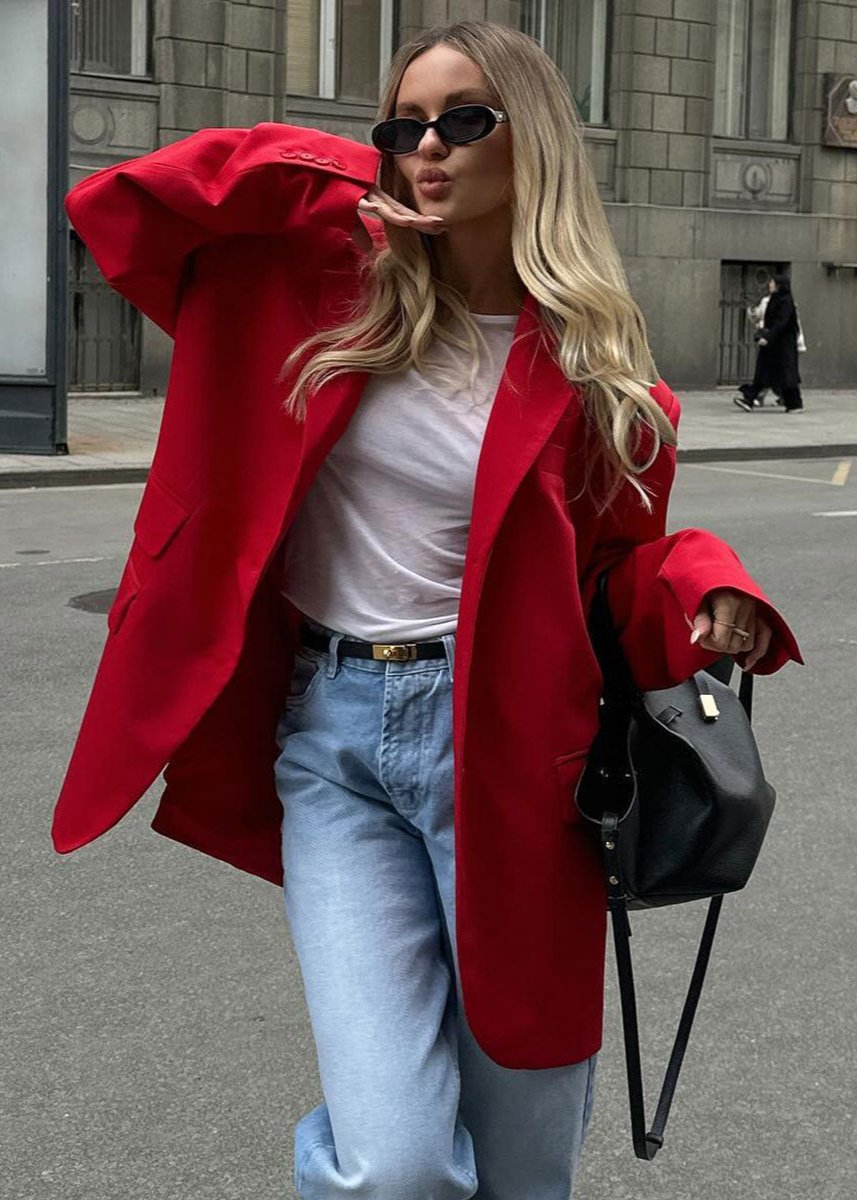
{"points": [[465, 124], [399, 136]]}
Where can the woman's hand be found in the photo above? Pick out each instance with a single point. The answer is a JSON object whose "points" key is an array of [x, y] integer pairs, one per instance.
{"points": [[723, 620], [376, 203]]}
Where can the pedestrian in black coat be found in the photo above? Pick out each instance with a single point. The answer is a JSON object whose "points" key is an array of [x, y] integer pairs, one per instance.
{"points": [[777, 362]]}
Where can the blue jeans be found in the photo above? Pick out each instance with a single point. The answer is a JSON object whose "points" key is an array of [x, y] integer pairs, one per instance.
{"points": [[413, 1108]]}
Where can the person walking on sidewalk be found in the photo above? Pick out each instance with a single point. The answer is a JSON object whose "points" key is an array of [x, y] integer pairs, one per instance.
{"points": [[756, 315], [352, 625], [777, 359]]}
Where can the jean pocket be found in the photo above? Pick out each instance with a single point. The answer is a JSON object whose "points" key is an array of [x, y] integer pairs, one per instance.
{"points": [[306, 674]]}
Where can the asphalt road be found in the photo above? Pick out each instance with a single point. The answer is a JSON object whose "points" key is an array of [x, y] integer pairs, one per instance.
{"points": [[155, 1042]]}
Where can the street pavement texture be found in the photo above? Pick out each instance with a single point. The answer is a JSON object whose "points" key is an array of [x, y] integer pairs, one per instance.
{"points": [[156, 1043], [113, 437]]}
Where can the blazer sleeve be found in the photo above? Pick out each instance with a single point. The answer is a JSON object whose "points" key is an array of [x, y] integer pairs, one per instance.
{"points": [[142, 219], [657, 581]]}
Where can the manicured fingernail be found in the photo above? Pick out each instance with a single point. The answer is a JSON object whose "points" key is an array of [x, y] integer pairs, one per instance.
{"points": [[695, 636]]}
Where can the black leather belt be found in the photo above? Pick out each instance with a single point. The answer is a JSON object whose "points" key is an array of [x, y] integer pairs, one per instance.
{"points": [[396, 652]]}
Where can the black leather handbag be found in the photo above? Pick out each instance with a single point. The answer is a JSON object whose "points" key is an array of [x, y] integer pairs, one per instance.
{"points": [[675, 785]]}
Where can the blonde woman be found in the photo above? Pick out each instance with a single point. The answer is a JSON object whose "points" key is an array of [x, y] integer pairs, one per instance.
{"points": [[352, 625]]}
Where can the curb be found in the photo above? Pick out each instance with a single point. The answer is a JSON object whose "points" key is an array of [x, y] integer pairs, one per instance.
{"points": [[72, 477], [770, 453], [93, 476]]}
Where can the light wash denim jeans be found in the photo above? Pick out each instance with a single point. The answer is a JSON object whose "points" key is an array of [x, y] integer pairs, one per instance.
{"points": [[413, 1108]]}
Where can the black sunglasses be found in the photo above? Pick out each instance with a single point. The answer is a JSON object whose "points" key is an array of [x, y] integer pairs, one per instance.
{"points": [[456, 127]]}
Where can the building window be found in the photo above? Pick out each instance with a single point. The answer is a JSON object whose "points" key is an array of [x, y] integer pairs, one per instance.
{"points": [[575, 36], [338, 49], [110, 37], [751, 81]]}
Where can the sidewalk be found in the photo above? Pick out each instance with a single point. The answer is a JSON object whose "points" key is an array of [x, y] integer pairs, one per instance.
{"points": [[112, 439]]}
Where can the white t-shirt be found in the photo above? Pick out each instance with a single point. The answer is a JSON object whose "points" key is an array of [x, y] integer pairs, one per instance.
{"points": [[377, 548]]}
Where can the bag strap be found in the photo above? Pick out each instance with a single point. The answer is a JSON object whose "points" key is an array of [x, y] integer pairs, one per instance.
{"points": [[617, 678], [647, 1144], [619, 686]]}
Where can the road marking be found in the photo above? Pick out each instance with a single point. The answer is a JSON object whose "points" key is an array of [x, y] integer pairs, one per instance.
{"points": [[835, 482], [840, 475], [840, 512], [51, 562]]}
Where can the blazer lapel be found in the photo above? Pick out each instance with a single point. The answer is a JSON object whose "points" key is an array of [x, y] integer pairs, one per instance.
{"points": [[532, 397]]}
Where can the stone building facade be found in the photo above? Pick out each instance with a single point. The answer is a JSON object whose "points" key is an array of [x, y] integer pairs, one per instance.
{"points": [[723, 135]]}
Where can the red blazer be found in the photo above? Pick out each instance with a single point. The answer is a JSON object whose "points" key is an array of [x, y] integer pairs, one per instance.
{"points": [[238, 244]]}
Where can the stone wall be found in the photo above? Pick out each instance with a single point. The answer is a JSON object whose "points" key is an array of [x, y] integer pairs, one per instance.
{"points": [[679, 200], [219, 63], [826, 43], [660, 98]]}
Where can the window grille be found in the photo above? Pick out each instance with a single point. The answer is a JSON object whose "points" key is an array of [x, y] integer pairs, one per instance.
{"points": [[110, 37]]}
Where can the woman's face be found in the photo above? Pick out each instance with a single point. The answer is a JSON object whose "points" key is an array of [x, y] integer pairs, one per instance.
{"points": [[480, 174], [772, 286]]}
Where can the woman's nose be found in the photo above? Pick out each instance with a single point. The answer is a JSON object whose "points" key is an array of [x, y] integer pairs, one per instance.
{"points": [[431, 143]]}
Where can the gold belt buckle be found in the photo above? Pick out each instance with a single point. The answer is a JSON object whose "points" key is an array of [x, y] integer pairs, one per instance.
{"points": [[401, 653]]}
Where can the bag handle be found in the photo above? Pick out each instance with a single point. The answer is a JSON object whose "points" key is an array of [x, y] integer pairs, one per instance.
{"points": [[617, 679]]}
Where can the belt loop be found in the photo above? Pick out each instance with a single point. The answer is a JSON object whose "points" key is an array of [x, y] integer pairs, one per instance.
{"points": [[333, 652], [448, 640]]}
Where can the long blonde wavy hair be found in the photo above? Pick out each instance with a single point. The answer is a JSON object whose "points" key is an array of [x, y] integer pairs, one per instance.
{"points": [[563, 252]]}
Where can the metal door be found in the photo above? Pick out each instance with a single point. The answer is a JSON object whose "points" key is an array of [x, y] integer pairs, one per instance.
{"points": [[741, 284], [104, 330]]}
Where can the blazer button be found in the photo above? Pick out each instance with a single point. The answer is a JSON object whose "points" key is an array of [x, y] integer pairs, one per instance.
{"points": [[323, 162], [305, 156], [287, 153], [337, 162]]}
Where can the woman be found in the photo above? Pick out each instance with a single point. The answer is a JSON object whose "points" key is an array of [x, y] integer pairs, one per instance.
{"points": [[362, 659], [754, 393], [777, 360]]}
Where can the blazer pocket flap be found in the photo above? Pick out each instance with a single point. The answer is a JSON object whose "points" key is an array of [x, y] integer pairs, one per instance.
{"points": [[567, 769], [159, 518]]}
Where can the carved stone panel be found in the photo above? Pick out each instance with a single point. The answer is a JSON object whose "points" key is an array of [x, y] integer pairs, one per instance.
{"points": [[840, 120], [110, 123], [758, 178]]}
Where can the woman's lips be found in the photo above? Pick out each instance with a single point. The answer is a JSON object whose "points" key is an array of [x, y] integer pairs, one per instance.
{"points": [[436, 189]]}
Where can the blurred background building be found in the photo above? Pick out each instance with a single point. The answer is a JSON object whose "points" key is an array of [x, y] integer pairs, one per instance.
{"points": [[723, 135]]}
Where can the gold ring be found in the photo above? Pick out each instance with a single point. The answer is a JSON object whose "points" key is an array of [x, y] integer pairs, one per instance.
{"points": [[743, 634]]}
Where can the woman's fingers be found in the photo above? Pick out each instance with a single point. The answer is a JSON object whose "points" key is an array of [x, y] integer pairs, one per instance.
{"points": [[376, 203], [724, 619], [764, 633], [726, 622], [742, 622]]}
